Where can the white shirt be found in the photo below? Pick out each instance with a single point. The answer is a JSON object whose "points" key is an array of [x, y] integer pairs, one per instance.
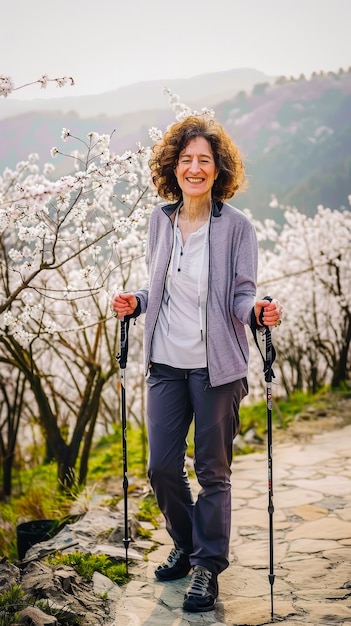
{"points": [[180, 334]]}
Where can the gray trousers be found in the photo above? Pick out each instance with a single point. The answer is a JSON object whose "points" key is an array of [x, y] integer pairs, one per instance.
{"points": [[176, 396]]}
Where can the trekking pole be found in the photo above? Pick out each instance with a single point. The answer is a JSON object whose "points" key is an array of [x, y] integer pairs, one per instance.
{"points": [[268, 378], [268, 374], [122, 359]]}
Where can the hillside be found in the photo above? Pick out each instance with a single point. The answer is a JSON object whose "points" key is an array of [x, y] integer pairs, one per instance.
{"points": [[198, 91], [295, 135]]}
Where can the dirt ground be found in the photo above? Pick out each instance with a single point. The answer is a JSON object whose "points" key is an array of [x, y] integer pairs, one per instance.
{"points": [[335, 414]]}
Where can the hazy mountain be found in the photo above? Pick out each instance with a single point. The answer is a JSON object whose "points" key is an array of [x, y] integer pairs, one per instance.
{"points": [[295, 136], [199, 91]]}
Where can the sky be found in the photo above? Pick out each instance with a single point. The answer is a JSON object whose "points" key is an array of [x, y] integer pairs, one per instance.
{"points": [[106, 44]]}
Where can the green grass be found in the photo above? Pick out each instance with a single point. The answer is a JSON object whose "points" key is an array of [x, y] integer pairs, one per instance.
{"points": [[85, 564], [11, 603], [106, 456], [149, 510], [283, 410]]}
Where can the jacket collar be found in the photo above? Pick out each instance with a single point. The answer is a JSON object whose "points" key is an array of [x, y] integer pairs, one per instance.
{"points": [[170, 209]]}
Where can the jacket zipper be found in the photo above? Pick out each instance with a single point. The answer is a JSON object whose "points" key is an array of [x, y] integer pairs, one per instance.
{"points": [[159, 306], [207, 299]]}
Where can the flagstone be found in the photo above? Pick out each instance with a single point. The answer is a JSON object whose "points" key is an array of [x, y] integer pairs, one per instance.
{"points": [[241, 485], [282, 525], [303, 572], [345, 513], [240, 581], [136, 588], [309, 512], [244, 494], [243, 611], [237, 503], [300, 472], [339, 465], [303, 455], [249, 461], [326, 613], [257, 518], [334, 485], [327, 528], [339, 555], [326, 596], [312, 545], [290, 497], [255, 553]]}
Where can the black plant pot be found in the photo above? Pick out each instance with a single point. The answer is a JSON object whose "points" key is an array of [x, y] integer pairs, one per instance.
{"points": [[30, 533]]}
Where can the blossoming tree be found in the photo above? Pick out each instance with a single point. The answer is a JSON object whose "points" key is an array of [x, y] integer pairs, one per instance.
{"points": [[308, 263], [66, 244]]}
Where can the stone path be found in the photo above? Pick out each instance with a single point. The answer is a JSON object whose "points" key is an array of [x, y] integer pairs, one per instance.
{"points": [[312, 546]]}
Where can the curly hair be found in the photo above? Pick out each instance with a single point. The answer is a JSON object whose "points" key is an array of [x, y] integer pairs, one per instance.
{"points": [[227, 157]]}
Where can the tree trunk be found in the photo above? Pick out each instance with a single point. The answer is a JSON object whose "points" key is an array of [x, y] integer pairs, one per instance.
{"points": [[88, 438], [340, 374]]}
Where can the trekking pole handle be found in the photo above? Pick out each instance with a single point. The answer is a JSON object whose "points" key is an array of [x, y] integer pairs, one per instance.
{"points": [[268, 372], [262, 310], [122, 356]]}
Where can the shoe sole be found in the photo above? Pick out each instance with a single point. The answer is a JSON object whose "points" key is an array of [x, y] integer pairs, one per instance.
{"points": [[197, 609]]}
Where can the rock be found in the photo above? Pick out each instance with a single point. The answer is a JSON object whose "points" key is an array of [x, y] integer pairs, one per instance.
{"points": [[67, 594], [104, 586], [117, 534], [65, 590], [251, 436], [304, 416], [31, 616], [99, 526], [239, 443], [9, 575]]}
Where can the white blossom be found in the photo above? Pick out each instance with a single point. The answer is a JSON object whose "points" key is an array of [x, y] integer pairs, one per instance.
{"points": [[6, 85], [65, 134]]}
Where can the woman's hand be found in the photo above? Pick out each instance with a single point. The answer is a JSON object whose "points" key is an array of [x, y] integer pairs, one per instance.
{"points": [[272, 313], [123, 304]]}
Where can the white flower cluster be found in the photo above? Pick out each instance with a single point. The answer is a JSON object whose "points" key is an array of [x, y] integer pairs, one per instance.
{"points": [[155, 134], [182, 111], [7, 85], [63, 238]]}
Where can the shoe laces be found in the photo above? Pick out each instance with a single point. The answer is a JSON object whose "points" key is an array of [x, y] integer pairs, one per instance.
{"points": [[200, 580], [173, 557]]}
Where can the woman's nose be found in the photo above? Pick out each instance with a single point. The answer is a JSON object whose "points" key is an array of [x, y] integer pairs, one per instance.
{"points": [[194, 165]]}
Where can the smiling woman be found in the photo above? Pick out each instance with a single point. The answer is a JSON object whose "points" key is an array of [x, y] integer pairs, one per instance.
{"points": [[217, 148], [202, 262]]}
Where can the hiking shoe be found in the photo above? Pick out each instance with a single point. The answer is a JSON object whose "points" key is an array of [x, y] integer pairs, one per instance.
{"points": [[202, 592], [177, 565]]}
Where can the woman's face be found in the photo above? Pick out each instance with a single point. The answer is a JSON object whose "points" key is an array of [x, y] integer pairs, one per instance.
{"points": [[196, 170]]}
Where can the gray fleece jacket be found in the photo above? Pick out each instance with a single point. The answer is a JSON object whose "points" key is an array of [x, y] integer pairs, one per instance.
{"points": [[233, 253]]}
